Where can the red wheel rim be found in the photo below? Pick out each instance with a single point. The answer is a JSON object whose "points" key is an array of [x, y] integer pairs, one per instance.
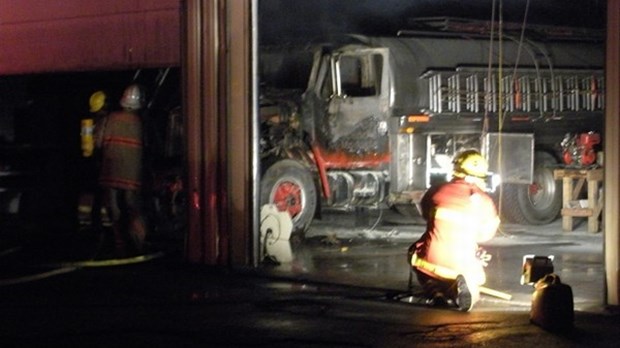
{"points": [[534, 189], [287, 197]]}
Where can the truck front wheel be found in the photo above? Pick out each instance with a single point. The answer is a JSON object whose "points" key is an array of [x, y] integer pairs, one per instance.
{"points": [[289, 185], [538, 203]]}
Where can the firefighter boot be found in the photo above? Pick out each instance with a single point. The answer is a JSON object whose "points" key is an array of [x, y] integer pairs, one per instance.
{"points": [[464, 300]]}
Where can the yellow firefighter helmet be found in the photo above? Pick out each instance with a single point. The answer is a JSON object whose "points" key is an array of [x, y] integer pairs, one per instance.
{"points": [[97, 101], [470, 163]]}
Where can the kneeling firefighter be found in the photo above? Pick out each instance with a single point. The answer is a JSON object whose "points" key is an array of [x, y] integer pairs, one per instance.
{"points": [[447, 259]]}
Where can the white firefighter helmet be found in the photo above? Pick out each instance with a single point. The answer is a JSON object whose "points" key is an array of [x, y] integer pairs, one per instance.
{"points": [[133, 97]]}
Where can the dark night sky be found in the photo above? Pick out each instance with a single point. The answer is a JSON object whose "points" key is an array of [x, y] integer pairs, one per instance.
{"points": [[286, 21]]}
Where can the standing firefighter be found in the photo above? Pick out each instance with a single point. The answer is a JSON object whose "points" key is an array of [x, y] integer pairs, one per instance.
{"points": [[121, 172], [460, 214]]}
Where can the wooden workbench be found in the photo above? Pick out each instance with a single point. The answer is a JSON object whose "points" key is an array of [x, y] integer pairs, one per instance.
{"points": [[572, 184]]}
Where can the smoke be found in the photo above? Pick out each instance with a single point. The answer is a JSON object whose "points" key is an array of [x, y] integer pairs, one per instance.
{"points": [[295, 21]]}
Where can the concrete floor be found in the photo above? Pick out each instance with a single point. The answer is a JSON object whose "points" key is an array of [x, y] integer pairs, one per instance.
{"points": [[337, 290], [341, 249], [338, 250]]}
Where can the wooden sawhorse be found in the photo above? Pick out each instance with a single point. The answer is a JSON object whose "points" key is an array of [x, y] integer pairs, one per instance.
{"points": [[570, 204]]}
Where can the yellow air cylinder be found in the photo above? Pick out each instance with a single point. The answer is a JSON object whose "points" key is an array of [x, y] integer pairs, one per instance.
{"points": [[88, 142]]}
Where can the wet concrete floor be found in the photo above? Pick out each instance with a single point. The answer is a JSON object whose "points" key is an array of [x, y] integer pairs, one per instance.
{"points": [[337, 289], [341, 249], [338, 250]]}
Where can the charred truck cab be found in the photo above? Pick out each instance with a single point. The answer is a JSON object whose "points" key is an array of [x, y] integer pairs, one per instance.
{"points": [[382, 117]]}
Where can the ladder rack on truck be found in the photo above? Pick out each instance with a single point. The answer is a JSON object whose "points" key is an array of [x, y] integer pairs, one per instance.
{"points": [[474, 90]]}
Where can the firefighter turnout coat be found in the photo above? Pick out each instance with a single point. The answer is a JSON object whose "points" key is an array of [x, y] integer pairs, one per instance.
{"points": [[122, 151], [459, 215]]}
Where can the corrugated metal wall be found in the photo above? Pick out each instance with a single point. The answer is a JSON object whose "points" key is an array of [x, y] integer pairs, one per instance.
{"points": [[78, 35]]}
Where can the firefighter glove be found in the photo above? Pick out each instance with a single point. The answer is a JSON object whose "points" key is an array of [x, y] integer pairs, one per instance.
{"points": [[483, 256]]}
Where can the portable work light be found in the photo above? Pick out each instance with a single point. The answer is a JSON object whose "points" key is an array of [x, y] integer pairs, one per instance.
{"points": [[535, 267]]}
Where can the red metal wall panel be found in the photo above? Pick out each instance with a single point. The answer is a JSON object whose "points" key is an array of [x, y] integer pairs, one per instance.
{"points": [[76, 35]]}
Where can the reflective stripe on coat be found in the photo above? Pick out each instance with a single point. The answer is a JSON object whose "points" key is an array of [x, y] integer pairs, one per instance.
{"points": [[121, 166]]}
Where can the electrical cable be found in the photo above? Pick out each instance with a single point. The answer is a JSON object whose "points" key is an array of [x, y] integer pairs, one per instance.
{"points": [[520, 43], [111, 262], [500, 111], [489, 84], [485, 123], [376, 222], [67, 267]]}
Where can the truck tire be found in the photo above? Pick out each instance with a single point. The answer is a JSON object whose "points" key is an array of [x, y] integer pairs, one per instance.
{"points": [[289, 185], [536, 204]]}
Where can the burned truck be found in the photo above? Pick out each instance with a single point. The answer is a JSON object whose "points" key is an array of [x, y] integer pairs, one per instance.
{"points": [[381, 118]]}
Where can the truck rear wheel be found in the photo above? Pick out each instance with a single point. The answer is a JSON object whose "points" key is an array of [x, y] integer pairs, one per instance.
{"points": [[538, 203], [289, 185]]}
